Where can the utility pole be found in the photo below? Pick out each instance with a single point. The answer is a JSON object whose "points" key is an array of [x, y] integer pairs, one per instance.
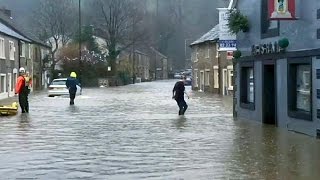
{"points": [[80, 63]]}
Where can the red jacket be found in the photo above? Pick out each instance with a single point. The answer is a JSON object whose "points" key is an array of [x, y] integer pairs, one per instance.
{"points": [[20, 85]]}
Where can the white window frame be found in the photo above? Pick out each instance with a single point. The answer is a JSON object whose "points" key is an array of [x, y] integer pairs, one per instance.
{"points": [[23, 49], [3, 83], [197, 54], [217, 50], [230, 74], [208, 52], [196, 78], [207, 77], [30, 56], [2, 48], [12, 50], [215, 77]]}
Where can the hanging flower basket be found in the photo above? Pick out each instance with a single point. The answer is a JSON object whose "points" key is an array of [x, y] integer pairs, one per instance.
{"points": [[283, 43], [237, 22]]}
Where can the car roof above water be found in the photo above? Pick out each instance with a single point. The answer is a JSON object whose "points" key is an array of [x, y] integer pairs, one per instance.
{"points": [[60, 79]]}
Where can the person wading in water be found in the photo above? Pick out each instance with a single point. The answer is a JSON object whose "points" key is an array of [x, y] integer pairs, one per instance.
{"points": [[178, 94]]}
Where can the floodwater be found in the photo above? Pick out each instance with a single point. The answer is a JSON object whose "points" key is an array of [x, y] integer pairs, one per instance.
{"points": [[134, 132]]}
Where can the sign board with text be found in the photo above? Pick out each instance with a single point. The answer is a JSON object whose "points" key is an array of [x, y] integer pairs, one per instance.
{"points": [[227, 40], [282, 9]]}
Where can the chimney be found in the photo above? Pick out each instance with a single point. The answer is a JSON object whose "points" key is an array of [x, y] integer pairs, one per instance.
{"points": [[6, 12]]}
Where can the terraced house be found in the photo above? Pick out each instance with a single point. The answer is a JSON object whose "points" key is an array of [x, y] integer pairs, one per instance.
{"points": [[212, 70], [19, 50]]}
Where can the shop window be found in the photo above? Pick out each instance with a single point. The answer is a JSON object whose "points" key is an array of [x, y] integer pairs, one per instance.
{"points": [[247, 90], [299, 89]]}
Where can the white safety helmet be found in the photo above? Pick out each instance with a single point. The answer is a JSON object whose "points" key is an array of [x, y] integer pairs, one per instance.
{"points": [[22, 70]]}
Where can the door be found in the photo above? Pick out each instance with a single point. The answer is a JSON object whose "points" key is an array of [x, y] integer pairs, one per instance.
{"points": [[224, 82], [269, 94], [202, 80], [10, 83]]}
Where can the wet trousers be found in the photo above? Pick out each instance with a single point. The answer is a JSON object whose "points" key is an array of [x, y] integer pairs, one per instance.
{"points": [[182, 106], [23, 101]]}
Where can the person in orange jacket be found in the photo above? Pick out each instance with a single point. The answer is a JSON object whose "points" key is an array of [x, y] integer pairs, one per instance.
{"points": [[22, 89]]}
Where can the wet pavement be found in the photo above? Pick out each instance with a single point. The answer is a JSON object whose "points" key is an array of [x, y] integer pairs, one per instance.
{"points": [[134, 132]]}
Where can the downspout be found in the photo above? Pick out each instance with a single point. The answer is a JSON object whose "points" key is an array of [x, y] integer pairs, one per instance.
{"points": [[19, 62]]}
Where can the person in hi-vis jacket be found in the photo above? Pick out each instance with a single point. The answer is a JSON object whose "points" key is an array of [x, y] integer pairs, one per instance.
{"points": [[22, 89]]}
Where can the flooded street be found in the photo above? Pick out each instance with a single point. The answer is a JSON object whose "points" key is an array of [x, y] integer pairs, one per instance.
{"points": [[134, 132]]}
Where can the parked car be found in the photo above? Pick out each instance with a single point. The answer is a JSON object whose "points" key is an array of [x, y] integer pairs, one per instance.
{"points": [[58, 88], [177, 76], [188, 81]]}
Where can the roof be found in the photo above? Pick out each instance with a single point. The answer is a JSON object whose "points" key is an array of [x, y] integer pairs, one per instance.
{"points": [[10, 32], [24, 34], [212, 35], [159, 53]]}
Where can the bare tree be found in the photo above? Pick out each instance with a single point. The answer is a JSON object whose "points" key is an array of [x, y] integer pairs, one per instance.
{"points": [[55, 23], [120, 26]]}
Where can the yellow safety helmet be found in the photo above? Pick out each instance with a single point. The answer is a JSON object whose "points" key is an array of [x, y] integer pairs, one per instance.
{"points": [[73, 74]]}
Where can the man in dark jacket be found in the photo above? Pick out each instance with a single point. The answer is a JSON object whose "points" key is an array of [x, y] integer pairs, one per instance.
{"points": [[178, 94], [71, 84]]}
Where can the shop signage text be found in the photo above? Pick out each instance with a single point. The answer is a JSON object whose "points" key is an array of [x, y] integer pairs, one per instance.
{"points": [[270, 48]]}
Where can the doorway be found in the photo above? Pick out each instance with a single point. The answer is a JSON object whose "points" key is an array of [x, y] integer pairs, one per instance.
{"points": [[269, 94]]}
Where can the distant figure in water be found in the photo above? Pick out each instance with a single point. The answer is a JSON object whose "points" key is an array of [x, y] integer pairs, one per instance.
{"points": [[71, 84], [178, 94]]}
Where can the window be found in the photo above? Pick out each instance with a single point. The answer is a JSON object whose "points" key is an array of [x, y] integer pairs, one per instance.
{"points": [[299, 89], [230, 79], [268, 28], [11, 50], [216, 77], [2, 49], [197, 54], [217, 50], [30, 52], [207, 78], [247, 97], [318, 14], [23, 49], [208, 52], [2, 83]]}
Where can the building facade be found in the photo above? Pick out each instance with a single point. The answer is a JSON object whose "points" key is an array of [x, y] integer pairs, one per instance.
{"points": [[274, 85], [212, 71]]}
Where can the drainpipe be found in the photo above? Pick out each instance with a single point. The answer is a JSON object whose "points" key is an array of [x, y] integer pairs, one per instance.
{"points": [[19, 62]]}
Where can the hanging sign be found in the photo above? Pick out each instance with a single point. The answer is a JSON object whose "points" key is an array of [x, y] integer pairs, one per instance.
{"points": [[227, 41], [282, 9]]}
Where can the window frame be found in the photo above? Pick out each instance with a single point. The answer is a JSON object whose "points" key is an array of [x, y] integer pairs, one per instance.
{"points": [[5, 83], [267, 32], [3, 48], [196, 78], [230, 74], [13, 51], [23, 49], [208, 52], [291, 89], [216, 77], [243, 86]]}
